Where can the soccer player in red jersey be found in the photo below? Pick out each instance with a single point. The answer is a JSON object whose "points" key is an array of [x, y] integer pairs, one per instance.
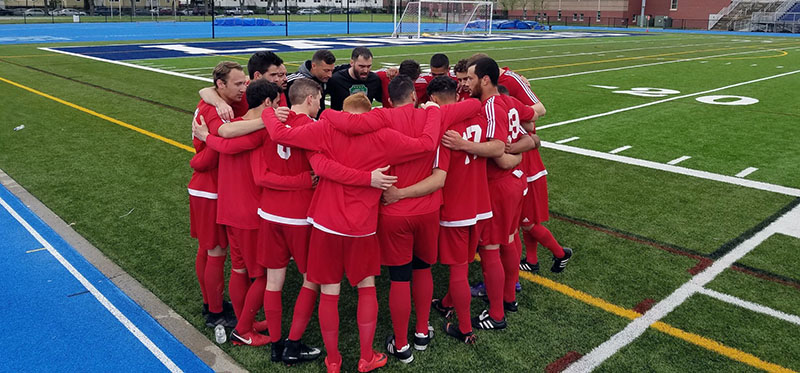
{"points": [[409, 68], [460, 71], [440, 66], [344, 218], [506, 185], [229, 82]]}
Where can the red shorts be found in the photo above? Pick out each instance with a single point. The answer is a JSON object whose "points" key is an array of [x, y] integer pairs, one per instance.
{"points": [[203, 223], [244, 249], [506, 196], [331, 256], [279, 242], [404, 237], [535, 208], [457, 245]]}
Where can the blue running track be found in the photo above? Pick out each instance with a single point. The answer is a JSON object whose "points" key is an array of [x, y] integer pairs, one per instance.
{"points": [[52, 322]]}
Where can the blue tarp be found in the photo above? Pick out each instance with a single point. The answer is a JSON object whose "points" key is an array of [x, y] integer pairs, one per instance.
{"points": [[244, 22], [506, 25]]}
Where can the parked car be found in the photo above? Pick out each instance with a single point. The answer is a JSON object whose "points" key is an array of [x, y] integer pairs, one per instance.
{"points": [[308, 11], [335, 11], [102, 11], [165, 11], [33, 12], [6, 12], [354, 11], [185, 12], [238, 12], [68, 12]]}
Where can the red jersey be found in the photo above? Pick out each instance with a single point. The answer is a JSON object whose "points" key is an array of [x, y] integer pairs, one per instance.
{"points": [[503, 115], [238, 193], [421, 85], [517, 87], [466, 189], [384, 87], [347, 210]]}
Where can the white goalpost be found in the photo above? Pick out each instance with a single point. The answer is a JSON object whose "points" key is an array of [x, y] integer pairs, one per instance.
{"points": [[443, 17]]}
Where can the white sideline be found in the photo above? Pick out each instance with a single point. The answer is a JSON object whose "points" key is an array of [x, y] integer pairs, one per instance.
{"points": [[654, 64], [664, 100], [639, 325], [676, 169], [168, 363], [755, 307]]}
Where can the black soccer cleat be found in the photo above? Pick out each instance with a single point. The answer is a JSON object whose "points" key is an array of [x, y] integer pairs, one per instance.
{"points": [[227, 320], [403, 353], [446, 312], [276, 351], [297, 352], [421, 341], [485, 322], [453, 331], [511, 306], [560, 263], [528, 267]]}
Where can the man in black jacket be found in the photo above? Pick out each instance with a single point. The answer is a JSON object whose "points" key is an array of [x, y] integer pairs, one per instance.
{"points": [[358, 78]]}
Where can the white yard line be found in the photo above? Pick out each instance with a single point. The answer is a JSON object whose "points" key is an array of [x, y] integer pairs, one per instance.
{"points": [[653, 64], [755, 307], [679, 160], [746, 171], [603, 52], [564, 141], [675, 169], [620, 149], [612, 112], [639, 325], [130, 326]]}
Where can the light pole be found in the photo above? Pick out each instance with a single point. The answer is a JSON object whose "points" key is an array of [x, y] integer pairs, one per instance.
{"points": [[641, 16]]}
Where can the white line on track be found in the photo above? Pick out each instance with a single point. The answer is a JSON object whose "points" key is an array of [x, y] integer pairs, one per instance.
{"points": [[675, 169], [564, 141], [620, 149], [664, 100], [678, 160], [746, 171], [638, 326], [163, 358], [755, 307], [654, 64]]}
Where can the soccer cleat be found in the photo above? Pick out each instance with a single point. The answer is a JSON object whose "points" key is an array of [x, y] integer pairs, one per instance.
{"points": [[403, 354], [446, 312], [560, 263], [378, 360], [478, 290], [250, 338], [485, 322], [421, 341], [260, 326], [222, 318], [333, 367], [511, 306], [276, 351], [205, 309], [528, 267], [517, 287], [453, 331], [297, 352]]}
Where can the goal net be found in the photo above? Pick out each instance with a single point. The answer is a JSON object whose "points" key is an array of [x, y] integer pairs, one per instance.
{"points": [[443, 17]]}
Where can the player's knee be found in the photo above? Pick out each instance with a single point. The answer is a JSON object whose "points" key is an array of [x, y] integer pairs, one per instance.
{"points": [[400, 273], [418, 263]]}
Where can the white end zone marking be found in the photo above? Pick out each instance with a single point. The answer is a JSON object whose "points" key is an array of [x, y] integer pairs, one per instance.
{"points": [[665, 100], [676, 169], [564, 141], [639, 325], [620, 149], [163, 358], [746, 171], [678, 160], [755, 307]]}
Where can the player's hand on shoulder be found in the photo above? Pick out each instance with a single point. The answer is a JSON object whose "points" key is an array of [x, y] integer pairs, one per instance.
{"points": [[429, 104], [200, 129], [453, 140], [225, 111], [282, 113]]}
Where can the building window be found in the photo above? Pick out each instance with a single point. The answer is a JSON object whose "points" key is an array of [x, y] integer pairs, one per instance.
{"points": [[581, 16], [559, 15], [574, 16], [673, 5], [598, 16]]}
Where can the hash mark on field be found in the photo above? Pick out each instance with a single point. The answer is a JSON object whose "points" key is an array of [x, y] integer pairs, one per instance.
{"points": [[755, 64], [755, 307], [703, 61], [620, 149], [35, 250], [779, 67], [679, 160], [746, 171], [564, 141], [603, 86]]}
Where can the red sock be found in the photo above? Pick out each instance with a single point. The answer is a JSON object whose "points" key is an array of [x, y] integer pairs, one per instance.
{"points": [[400, 310], [459, 293], [329, 325], [509, 256], [541, 234], [367, 318], [214, 282], [422, 291], [447, 301], [530, 247], [303, 308], [200, 270], [237, 289], [273, 311], [252, 303], [493, 277]]}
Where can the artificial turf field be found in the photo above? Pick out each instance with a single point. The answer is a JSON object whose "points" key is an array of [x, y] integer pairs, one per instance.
{"points": [[642, 220]]}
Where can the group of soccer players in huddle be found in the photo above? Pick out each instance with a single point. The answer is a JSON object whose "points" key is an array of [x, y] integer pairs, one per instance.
{"points": [[447, 168]]}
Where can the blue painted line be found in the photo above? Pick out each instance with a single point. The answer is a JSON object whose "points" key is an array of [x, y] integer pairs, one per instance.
{"points": [[53, 323], [125, 52]]}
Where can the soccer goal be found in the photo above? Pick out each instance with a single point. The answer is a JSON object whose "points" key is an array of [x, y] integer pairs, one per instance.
{"points": [[443, 17]]}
